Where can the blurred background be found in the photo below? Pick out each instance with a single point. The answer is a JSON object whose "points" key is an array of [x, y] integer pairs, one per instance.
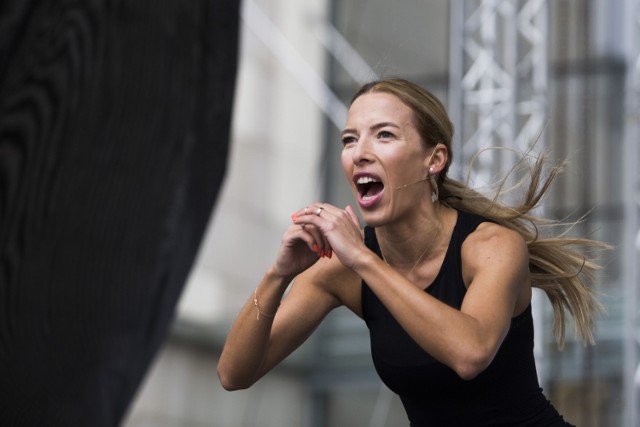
{"points": [[563, 74]]}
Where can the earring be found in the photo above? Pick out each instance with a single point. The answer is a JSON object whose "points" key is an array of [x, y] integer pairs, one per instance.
{"points": [[434, 186]]}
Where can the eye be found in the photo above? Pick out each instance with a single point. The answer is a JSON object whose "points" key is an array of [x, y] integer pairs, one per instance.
{"points": [[348, 139], [384, 134]]}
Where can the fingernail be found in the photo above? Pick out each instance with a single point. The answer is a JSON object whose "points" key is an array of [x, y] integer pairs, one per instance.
{"points": [[315, 248], [294, 217], [329, 253], [322, 253]]}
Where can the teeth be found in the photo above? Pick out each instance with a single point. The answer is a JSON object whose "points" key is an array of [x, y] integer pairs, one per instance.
{"points": [[365, 198], [365, 180]]}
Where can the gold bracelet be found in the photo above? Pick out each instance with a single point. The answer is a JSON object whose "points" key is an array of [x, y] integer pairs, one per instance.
{"points": [[255, 303]]}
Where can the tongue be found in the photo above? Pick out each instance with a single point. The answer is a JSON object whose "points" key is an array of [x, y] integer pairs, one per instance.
{"points": [[373, 189]]}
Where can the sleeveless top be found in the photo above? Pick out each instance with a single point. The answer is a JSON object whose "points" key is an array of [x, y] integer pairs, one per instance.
{"points": [[506, 393]]}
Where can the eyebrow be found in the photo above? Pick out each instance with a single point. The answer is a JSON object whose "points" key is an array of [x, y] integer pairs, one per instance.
{"points": [[374, 127]]}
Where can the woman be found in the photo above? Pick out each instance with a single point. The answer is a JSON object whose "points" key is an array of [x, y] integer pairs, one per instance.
{"points": [[443, 276]]}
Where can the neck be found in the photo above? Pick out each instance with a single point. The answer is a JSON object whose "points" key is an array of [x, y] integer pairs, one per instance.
{"points": [[410, 243]]}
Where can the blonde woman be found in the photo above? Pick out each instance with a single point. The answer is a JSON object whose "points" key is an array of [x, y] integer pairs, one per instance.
{"points": [[441, 275]]}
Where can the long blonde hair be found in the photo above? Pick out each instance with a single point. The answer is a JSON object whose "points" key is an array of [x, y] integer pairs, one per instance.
{"points": [[559, 264]]}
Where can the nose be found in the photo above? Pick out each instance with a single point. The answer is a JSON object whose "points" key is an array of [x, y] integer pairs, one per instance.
{"points": [[362, 152]]}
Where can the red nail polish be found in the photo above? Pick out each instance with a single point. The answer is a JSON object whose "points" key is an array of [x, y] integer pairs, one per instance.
{"points": [[322, 253], [294, 217], [329, 253], [315, 248]]}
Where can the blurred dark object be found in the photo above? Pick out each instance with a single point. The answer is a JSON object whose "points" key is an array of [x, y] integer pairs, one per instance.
{"points": [[114, 126]]}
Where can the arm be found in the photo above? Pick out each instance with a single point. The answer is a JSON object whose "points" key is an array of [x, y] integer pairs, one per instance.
{"points": [[495, 267], [495, 264], [256, 344]]}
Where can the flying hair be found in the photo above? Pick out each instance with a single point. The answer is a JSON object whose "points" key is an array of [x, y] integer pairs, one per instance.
{"points": [[561, 265]]}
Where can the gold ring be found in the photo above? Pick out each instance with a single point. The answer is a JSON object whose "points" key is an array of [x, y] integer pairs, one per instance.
{"points": [[306, 210]]}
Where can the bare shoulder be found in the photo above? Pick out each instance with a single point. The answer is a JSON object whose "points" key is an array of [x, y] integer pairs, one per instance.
{"points": [[492, 245], [492, 236], [329, 278]]}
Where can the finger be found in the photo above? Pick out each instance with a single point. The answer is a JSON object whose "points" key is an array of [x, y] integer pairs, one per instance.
{"points": [[306, 235], [312, 209], [328, 252], [353, 215], [307, 210], [311, 217], [297, 214], [318, 244], [309, 235], [325, 247], [327, 214]]}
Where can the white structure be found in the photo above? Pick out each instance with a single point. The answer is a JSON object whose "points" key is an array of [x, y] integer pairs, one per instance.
{"points": [[631, 248], [498, 81]]}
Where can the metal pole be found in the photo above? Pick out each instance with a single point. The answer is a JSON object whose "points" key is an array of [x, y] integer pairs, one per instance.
{"points": [[631, 245]]}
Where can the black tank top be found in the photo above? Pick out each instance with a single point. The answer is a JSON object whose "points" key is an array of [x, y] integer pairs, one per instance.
{"points": [[507, 393]]}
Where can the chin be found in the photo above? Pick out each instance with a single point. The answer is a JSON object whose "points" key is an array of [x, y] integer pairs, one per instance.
{"points": [[372, 219]]}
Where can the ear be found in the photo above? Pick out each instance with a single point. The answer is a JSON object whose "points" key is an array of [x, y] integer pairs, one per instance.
{"points": [[437, 160]]}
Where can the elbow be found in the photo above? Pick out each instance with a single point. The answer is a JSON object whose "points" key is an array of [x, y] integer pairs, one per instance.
{"points": [[230, 385], [468, 373], [473, 365], [230, 382]]}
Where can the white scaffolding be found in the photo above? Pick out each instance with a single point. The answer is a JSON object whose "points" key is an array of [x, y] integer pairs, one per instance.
{"points": [[497, 93], [631, 244], [498, 80]]}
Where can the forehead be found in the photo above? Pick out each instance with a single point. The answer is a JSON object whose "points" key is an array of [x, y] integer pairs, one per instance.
{"points": [[378, 107]]}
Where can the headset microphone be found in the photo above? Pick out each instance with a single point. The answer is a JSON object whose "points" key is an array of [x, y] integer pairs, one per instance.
{"points": [[411, 183], [426, 177]]}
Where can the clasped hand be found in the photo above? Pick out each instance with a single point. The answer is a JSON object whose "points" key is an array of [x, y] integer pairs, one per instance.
{"points": [[319, 230]]}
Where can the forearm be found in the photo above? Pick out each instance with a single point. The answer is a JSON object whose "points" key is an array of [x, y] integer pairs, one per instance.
{"points": [[453, 337], [247, 343]]}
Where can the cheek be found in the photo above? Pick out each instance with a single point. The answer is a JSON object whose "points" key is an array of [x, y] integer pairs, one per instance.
{"points": [[347, 164], [346, 160], [406, 169]]}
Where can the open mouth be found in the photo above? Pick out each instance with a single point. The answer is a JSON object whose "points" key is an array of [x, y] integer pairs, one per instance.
{"points": [[368, 187]]}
